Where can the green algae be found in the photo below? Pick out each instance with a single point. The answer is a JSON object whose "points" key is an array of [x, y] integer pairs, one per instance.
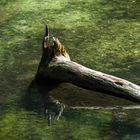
{"points": [[103, 35]]}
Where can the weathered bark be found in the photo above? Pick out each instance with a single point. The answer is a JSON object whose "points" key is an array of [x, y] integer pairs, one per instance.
{"points": [[56, 65], [79, 75]]}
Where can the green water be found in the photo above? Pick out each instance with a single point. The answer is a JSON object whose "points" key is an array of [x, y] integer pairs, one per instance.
{"points": [[100, 34]]}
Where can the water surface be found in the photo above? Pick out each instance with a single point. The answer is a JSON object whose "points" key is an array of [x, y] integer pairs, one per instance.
{"points": [[100, 34]]}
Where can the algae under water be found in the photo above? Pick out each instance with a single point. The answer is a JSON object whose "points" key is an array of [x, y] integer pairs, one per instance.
{"points": [[100, 34]]}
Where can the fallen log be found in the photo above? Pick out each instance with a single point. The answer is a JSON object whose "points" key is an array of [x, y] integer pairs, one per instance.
{"points": [[56, 66]]}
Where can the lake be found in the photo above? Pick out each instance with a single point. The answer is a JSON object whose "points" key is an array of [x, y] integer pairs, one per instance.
{"points": [[99, 34]]}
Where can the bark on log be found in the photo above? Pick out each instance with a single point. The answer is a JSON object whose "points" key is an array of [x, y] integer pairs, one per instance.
{"points": [[56, 65]]}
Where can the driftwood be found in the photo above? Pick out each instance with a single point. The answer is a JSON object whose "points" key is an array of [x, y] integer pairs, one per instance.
{"points": [[56, 66]]}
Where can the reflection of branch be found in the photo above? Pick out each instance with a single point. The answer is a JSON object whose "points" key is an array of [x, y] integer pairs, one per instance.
{"points": [[51, 105], [54, 106]]}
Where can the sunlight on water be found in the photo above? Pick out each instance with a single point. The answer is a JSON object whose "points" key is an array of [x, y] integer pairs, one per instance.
{"points": [[102, 35]]}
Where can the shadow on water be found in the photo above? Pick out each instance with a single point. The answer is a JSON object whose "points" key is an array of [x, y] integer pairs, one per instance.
{"points": [[32, 100]]}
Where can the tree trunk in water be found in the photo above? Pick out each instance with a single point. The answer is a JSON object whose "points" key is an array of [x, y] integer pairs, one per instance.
{"points": [[56, 66]]}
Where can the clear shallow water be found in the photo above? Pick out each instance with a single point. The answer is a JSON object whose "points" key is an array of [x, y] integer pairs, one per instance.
{"points": [[103, 35]]}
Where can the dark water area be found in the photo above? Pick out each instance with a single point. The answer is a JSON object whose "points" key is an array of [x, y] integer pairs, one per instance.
{"points": [[100, 34]]}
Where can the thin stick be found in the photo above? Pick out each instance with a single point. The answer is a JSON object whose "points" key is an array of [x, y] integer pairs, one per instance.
{"points": [[106, 107]]}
